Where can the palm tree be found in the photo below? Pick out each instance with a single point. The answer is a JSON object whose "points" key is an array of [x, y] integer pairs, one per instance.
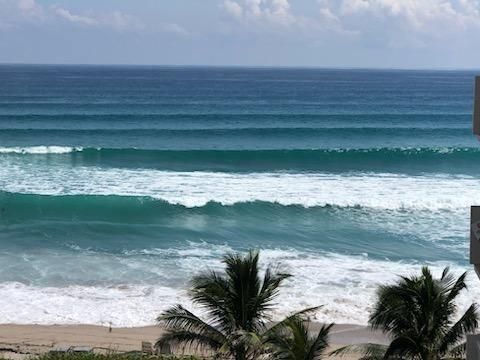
{"points": [[418, 315], [237, 304], [291, 340]]}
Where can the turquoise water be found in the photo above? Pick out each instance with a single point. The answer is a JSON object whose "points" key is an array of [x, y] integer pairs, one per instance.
{"points": [[119, 183]]}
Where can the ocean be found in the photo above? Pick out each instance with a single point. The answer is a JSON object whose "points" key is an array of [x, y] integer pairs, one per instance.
{"points": [[117, 184]]}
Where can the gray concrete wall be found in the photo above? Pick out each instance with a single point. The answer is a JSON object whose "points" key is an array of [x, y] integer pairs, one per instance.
{"points": [[473, 348], [476, 107], [475, 235]]}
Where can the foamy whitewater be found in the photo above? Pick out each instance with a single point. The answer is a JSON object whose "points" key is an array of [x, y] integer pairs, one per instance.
{"points": [[117, 185], [344, 285]]}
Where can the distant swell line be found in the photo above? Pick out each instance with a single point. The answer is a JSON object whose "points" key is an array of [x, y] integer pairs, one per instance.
{"points": [[407, 151], [244, 131], [395, 160], [351, 119]]}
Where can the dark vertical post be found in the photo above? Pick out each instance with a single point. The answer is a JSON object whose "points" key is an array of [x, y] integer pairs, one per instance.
{"points": [[476, 107], [475, 210], [475, 237], [473, 341]]}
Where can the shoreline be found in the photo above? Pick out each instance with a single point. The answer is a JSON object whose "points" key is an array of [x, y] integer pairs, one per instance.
{"points": [[21, 341]]}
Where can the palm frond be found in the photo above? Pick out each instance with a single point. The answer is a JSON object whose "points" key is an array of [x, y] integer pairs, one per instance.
{"points": [[182, 325], [282, 325], [244, 286], [187, 339], [457, 287], [250, 298], [458, 352], [466, 324], [212, 292], [291, 338], [402, 347], [272, 280], [417, 313], [320, 343], [250, 342], [367, 351]]}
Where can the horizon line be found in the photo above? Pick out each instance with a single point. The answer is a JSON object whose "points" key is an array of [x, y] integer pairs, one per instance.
{"points": [[238, 66]]}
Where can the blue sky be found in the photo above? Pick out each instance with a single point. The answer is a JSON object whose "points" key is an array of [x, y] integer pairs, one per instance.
{"points": [[324, 33]]}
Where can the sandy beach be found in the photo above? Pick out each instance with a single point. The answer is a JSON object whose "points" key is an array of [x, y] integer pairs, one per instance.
{"points": [[21, 341]]}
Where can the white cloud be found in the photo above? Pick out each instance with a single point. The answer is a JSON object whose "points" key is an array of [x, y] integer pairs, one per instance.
{"points": [[233, 8], [20, 10], [253, 7], [175, 29], [403, 24], [67, 15], [272, 11], [26, 5], [279, 11], [121, 21], [115, 20], [421, 14], [327, 15], [14, 13], [354, 6]]}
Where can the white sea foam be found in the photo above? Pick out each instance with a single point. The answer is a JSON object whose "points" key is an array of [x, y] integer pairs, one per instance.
{"points": [[382, 191], [133, 288], [39, 150], [345, 285]]}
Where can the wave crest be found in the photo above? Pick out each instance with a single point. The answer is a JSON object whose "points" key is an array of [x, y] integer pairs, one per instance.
{"points": [[38, 150]]}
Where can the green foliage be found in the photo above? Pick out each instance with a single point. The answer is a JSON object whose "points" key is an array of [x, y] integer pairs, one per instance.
{"points": [[368, 351], [418, 314], [291, 340], [237, 304]]}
